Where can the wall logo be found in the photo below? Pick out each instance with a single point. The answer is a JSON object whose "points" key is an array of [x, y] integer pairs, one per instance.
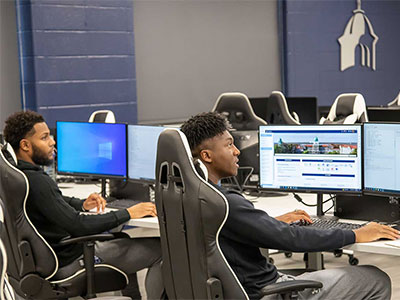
{"points": [[353, 36]]}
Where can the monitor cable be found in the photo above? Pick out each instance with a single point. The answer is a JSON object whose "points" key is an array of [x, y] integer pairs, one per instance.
{"points": [[298, 198]]}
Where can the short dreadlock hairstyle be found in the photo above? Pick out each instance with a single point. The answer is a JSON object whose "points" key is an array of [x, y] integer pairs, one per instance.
{"points": [[204, 126], [20, 125]]}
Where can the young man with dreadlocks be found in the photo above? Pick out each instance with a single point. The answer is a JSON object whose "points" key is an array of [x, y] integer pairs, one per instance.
{"points": [[247, 229]]}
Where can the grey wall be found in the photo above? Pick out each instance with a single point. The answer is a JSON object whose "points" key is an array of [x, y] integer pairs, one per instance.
{"points": [[10, 99], [188, 52]]}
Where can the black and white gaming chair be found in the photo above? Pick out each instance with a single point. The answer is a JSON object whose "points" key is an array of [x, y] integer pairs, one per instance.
{"points": [[191, 214], [278, 111], [347, 109], [33, 269], [396, 101], [102, 116], [236, 107]]}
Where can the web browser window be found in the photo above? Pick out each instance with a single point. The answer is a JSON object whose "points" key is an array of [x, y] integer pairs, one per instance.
{"points": [[311, 158]]}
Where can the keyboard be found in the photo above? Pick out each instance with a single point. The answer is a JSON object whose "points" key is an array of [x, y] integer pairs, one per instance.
{"points": [[121, 203], [329, 224]]}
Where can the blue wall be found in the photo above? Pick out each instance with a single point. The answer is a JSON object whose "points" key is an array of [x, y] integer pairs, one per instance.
{"points": [[311, 50], [77, 56]]}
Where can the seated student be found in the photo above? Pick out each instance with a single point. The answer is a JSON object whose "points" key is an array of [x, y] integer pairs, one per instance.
{"points": [[247, 228], [56, 216]]}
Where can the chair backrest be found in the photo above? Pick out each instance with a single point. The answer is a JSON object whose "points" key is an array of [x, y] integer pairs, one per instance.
{"points": [[348, 108], [191, 214], [278, 111], [396, 101], [102, 116], [27, 250], [238, 110]]}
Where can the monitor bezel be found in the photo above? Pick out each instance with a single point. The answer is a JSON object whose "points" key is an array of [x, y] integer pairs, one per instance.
{"points": [[141, 180], [314, 190], [95, 175], [383, 193]]}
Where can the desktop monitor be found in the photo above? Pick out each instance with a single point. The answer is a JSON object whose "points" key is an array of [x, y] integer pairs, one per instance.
{"points": [[311, 158], [383, 114], [305, 107], [382, 158], [142, 151], [93, 149]]}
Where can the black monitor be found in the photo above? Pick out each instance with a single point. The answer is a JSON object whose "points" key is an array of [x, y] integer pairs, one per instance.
{"points": [[311, 158], [305, 107], [383, 114], [142, 152], [92, 149], [382, 158]]}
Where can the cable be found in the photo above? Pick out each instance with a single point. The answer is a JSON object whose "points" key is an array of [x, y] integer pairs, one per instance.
{"points": [[298, 198]]}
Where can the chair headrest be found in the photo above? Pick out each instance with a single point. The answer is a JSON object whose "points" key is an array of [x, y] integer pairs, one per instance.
{"points": [[9, 154], [201, 169]]}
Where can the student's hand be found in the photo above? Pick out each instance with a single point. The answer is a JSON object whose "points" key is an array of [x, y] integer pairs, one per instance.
{"points": [[94, 200], [142, 209], [374, 231], [294, 216]]}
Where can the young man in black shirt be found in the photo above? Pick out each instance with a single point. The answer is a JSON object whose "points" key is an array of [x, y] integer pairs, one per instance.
{"points": [[56, 216], [247, 228]]}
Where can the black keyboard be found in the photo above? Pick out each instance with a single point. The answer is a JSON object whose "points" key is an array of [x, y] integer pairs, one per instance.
{"points": [[330, 224], [121, 203]]}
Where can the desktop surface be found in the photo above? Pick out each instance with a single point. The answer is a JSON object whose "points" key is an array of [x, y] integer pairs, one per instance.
{"points": [[97, 149], [382, 158], [311, 158]]}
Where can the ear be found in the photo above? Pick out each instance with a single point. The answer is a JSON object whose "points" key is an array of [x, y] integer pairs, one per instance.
{"points": [[24, 145], [206, 156]]}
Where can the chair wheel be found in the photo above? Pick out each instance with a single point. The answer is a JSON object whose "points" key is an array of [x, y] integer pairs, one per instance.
{"points": [[288, 254], [271, 260], [353, 261], [337, 253]]}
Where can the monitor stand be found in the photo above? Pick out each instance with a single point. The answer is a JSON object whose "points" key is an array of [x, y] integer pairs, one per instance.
{"points": [[103, 187], [320, 210]]}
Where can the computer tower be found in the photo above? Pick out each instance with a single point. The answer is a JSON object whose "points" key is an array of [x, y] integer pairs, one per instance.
{"points": [[367, 207]]}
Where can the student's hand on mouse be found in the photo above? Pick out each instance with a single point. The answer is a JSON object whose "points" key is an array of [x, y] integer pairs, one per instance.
{"points": [[374, 231], [142, 209], [294, 216], [94, 201]]}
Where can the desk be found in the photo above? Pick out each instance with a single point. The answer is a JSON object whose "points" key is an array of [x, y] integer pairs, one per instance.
{"points": [[275, 206]]}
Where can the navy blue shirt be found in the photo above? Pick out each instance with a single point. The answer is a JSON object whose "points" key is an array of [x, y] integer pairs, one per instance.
{"points": [[247, 229]]}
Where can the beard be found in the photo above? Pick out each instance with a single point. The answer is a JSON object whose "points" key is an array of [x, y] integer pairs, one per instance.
{"points": [[39, 157]]}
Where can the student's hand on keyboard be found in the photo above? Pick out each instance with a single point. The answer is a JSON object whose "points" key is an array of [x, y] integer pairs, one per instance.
{"points": [[94, 201], [295, 216], [142, 209], [374, 231]]}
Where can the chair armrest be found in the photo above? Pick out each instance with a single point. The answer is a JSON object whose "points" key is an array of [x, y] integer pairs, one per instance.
{"points": [[290, 286], [86, 238]]}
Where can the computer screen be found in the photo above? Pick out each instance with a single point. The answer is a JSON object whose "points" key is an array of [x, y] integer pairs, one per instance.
{"points": [[311, 158], [383, 114], [305, 107], [142, 151], [97, 149], [382, 158]]}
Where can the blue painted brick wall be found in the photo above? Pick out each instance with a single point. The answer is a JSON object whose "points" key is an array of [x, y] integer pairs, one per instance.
{"points": [[312, 61], [77, 57]]}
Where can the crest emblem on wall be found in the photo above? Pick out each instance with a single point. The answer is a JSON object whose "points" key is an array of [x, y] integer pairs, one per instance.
{"points": [[355, 38]]}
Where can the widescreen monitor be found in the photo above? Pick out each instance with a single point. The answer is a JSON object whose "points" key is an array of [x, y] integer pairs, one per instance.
{"points": [[142, 151], [383, 114], [311, 158], [94, 149], [382, 158], [305, 107]]}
